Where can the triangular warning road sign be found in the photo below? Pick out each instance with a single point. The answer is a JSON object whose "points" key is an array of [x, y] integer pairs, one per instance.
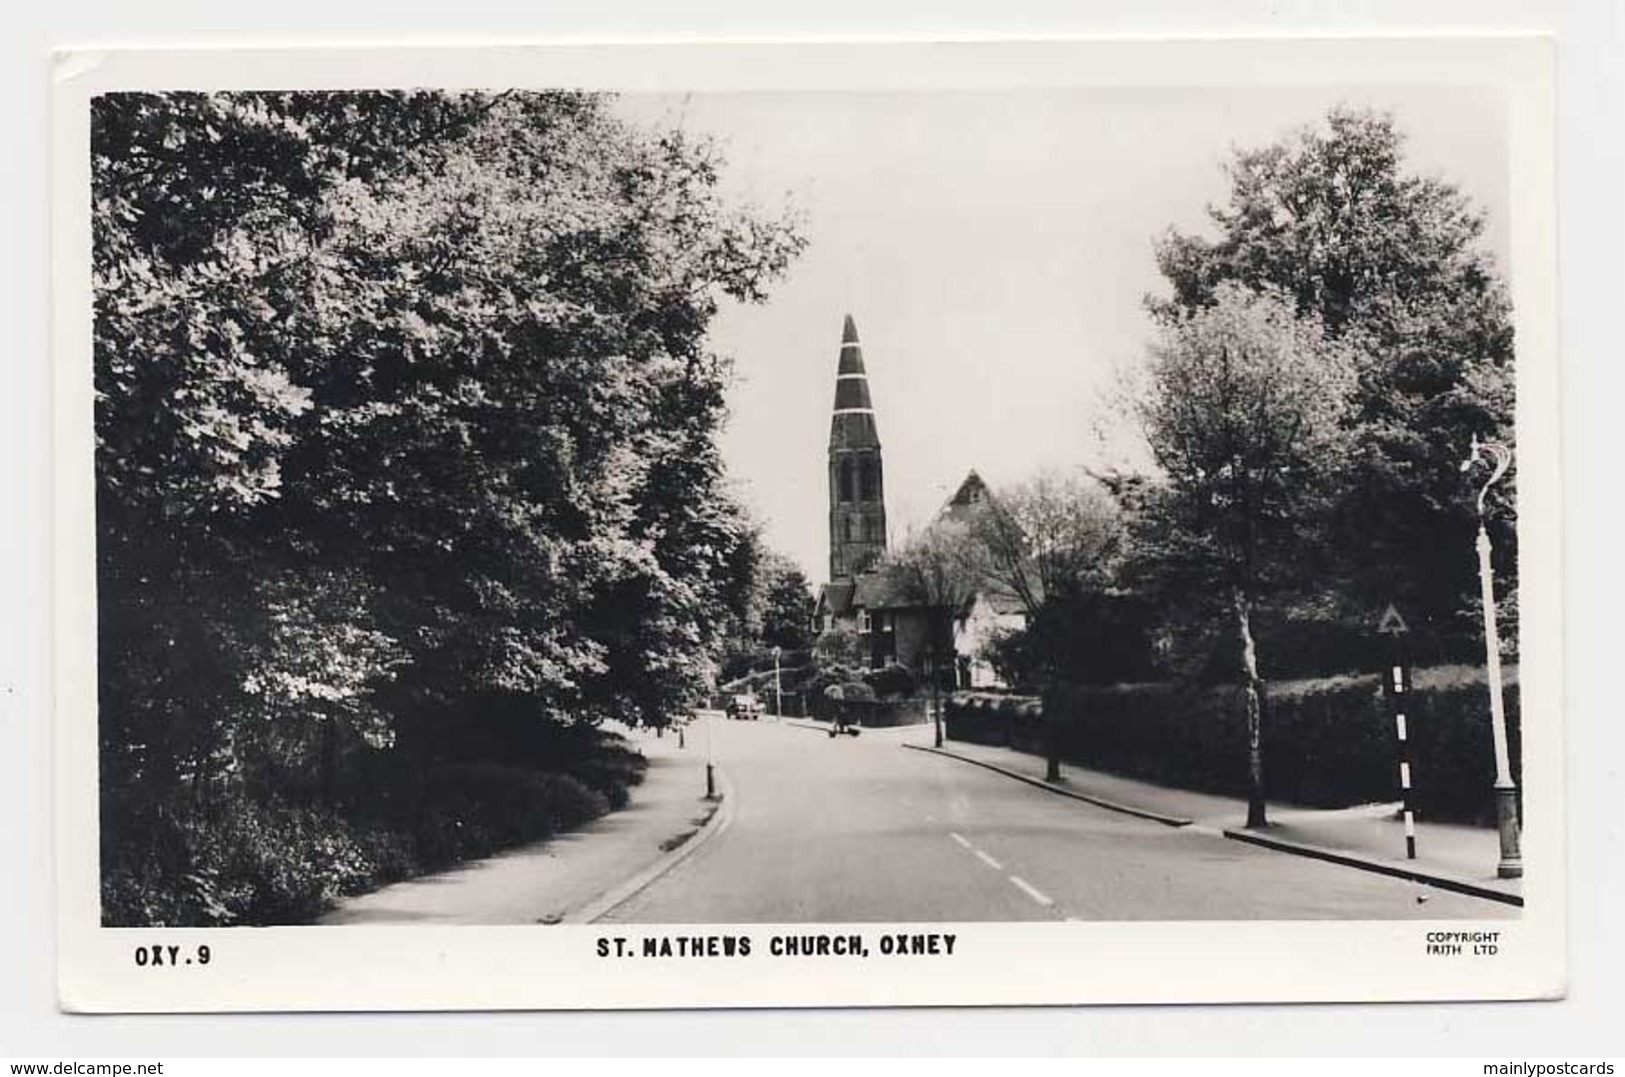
{"points": [[1392, 624]]}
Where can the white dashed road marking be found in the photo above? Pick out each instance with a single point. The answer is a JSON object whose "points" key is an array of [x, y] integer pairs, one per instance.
{"points": [[1031, 891], [1021, 884]]}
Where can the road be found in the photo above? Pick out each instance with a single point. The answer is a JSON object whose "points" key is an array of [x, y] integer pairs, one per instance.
{"points": [[861, 830]]}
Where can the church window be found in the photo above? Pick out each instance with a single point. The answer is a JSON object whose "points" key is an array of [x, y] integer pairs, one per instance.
{"points": [[850, 535], [846, 482], [863, 622], [869, 480]]}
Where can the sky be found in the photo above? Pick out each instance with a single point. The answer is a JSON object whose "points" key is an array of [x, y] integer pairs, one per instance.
{"points": [[994, 249]]}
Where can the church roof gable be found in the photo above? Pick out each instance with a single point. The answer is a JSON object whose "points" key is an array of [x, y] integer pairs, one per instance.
{"points": [[836, 598]]}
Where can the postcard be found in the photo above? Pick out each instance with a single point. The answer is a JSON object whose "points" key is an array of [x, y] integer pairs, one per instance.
{"points": [[554, 526]]}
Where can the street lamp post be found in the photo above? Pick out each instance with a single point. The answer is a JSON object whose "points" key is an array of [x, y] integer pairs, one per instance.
{"points": [[778, 687], [1506, 793]]}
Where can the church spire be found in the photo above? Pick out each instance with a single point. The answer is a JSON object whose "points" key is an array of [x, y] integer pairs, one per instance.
{"points": [[852, 425], [857, 500]]}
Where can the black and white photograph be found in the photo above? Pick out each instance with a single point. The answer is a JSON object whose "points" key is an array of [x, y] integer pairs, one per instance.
{"points": [[781, 523]]}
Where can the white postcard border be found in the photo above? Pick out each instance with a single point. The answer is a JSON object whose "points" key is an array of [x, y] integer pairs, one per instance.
{"points": [[372, 968]]}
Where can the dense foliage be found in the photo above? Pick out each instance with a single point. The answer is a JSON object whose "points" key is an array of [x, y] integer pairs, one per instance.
{"points": [[1390, 264], [406, 463], [771, 625], [1322, 364], [1089, 637], [786, 602]]}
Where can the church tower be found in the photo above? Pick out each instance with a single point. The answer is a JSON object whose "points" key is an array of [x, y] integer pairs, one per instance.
{"points": [[857, 499]]}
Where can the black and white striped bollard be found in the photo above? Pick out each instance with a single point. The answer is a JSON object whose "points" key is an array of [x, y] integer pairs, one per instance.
{"points": [[1396, 684], [1401, 678]]}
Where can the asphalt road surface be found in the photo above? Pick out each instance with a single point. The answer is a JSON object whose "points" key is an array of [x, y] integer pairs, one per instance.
{"points": [[853, 829]]}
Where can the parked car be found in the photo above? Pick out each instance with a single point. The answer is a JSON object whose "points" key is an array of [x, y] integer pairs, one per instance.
{"points": [[746, 707]]}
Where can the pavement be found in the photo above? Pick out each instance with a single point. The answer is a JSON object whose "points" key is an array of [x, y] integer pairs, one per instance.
{"points": [[567, 877], [1369, 836]]}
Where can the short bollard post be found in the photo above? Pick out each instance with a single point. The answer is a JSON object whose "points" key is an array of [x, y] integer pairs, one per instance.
{"points": [[710, 775]]}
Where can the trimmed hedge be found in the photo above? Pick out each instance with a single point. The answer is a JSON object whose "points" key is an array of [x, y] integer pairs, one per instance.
{"points": [[1328, 742], [1006, 721], [892, 681], [871, 713]]}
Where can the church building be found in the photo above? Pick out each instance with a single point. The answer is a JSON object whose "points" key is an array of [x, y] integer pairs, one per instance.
{"points": [[857, 494], [894, 627]]}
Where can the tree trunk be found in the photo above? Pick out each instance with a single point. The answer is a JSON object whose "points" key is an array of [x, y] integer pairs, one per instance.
{"points": [[1050, 716], [1052, 743], [936, 703], [940, 629], [1252, 693]]}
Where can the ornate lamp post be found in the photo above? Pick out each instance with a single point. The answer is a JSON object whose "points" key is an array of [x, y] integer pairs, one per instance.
{"points": [[1506, 793]]}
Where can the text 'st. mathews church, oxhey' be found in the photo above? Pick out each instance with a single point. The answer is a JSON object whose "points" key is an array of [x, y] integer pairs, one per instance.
{"points": [[888, 618]]}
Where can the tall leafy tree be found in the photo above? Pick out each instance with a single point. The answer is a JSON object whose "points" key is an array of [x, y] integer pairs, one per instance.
{"points": [[406, 426], [786, 604], [205, 206], [1391, 263], [1050, 542], [936, 570], [1244, 412], [1048, 539]]}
